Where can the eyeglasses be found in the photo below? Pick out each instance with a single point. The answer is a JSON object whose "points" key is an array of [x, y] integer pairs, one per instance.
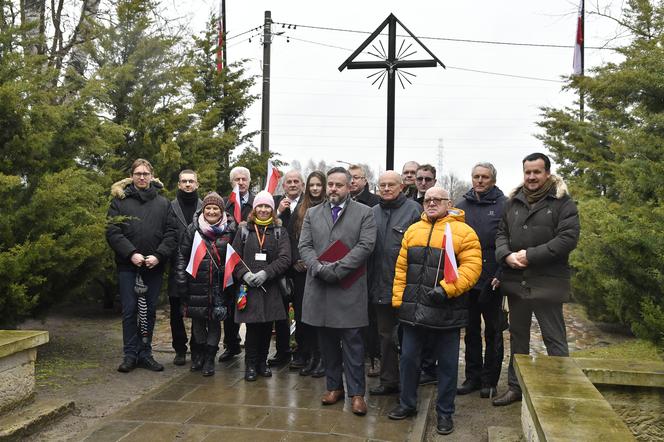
{"points": [[357, 177], [428, 179], [142, 174], [436, 201]]}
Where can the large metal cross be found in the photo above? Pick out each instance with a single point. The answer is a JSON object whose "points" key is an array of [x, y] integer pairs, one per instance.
{"points": [[390, 62]]}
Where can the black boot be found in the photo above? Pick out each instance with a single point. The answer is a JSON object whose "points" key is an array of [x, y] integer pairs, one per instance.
{"points": [[197, 357], [319, 370], [208, 364], [309, 368], [264, 369]]}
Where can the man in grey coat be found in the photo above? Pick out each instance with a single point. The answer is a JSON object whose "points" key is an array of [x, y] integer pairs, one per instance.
{"points": [[339, 312], [394, 214]]}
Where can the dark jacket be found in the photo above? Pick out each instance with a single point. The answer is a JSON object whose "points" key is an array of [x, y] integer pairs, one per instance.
{"points": [[367, 198], [178, 220], [483, 216], [287, 215], [139, 223], [245, 211], [197, 294], [261, 306], [548, 231], [392, 221]]}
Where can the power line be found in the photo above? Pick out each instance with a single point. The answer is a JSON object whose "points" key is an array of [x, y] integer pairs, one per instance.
{"points": [[245, 32], [459, 40]]}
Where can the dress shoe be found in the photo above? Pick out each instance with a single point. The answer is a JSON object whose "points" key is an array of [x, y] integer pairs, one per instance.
{"points": [[445, 424], [298, 363], [128, 364], [467, 387], [488, 391], [229, 354], [332, 397], [319, 370], [150, 364], [428, 379], [398, 413], [309, 368], [197, 360], [264, 370], [374, 370], [250, 374], [279, 359], [180, 359], [358, 406], [383, 390], [509, 397]]}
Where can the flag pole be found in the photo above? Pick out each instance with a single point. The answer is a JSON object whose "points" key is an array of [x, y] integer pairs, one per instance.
{"points": [[247, 267], [583, 44]]}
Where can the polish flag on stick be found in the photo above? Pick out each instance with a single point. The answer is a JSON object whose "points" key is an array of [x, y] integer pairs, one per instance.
{"points": [[234, 198], [578, 44], [198, 251], [450, 269], [232, 259], [220, 41], [273, 177]]}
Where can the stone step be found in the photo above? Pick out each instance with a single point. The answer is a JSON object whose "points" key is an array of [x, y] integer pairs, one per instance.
{"points": [[31, 418], [504, 434], [623, 372]]}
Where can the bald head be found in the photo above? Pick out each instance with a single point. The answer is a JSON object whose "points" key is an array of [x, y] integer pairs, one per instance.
{"points": [[293, 184], [389, 184], [437, 203]]}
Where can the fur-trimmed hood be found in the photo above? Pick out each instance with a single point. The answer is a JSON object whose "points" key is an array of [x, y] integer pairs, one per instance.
{"points": [[119, 188], [559, 186]]}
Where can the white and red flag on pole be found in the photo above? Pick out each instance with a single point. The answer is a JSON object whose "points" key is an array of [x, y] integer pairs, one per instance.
{"points": [[273, 177], [220, 41], [450, 269], [578, 44], [198, 251], [232, 259], [234, 198]]}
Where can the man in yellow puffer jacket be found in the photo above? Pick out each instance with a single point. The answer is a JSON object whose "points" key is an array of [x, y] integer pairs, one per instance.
{"points": [[430, 308]]}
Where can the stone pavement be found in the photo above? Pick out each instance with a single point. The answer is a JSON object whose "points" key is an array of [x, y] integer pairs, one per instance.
{"points": [[285, 407]]}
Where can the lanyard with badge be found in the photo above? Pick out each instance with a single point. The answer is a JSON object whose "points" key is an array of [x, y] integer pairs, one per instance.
{"points": [[261, 256]]}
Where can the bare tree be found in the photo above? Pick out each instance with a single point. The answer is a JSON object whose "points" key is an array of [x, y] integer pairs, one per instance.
{"points": [[454, 185]]}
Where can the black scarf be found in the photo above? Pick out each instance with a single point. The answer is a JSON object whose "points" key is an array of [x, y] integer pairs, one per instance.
{"points": [[394, 204], [188, 203]]}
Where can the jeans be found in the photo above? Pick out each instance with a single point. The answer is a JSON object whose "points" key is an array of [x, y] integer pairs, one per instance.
{"points": [[445, 347], [133, 346]]}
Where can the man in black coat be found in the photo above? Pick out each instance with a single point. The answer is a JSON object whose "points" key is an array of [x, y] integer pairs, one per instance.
{"points": [[359, 187], [538, 231], [425, 179], [241, 177], [483, 206], [183, 207], [408, 173], [143, 238]]}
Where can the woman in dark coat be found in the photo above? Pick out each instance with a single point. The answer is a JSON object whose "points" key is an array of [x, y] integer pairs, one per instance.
{"points": [[200, 279], [265, 248], [307, 359]]}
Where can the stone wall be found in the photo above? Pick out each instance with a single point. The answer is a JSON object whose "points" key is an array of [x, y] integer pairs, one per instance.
{"points": [[641, 408], [17, 378]]}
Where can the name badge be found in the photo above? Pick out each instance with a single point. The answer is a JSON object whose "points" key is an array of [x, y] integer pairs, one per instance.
{"points": [[261, 257]]}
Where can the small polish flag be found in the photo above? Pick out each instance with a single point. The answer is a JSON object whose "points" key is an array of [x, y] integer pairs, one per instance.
{"points": [[450, 268], [197, 253], [234, 198], [577, 65], [232, 259], [273, 177]]}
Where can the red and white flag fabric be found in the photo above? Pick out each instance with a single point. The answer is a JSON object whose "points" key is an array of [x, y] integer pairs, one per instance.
{"points": [[273, 177], [198, 251], [220, 41], [578, 45], [450, 270], [232, 259], [234, 198]]}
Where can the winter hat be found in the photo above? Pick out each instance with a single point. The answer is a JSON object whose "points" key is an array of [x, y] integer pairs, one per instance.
{"points": [[213, 198], [263, 197]]}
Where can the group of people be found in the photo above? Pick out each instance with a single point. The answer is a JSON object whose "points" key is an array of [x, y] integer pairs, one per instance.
{"points": [[391, 277]]}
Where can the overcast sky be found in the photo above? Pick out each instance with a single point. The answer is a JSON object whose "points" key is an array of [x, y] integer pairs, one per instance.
{"points": [[320, 113]]}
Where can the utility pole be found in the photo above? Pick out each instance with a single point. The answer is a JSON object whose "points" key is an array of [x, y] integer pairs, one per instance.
{"points": [[265, 120]]}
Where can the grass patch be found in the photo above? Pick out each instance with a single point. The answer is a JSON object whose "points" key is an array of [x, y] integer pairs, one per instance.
{"points": [[636, 349], [55, 372]]}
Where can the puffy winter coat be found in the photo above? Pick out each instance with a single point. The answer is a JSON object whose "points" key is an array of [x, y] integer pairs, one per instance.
{"points": [[262, 306], [548, 231], [392, 220], [177, 218], [139, 223], [415, 274], [484, 215], [197, 294]]}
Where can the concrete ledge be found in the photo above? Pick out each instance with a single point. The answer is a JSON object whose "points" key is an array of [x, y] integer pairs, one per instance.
{"points": [[560, 403], [14, 341], [623, 372], [504, 434], [30, 419], [419, 431]]}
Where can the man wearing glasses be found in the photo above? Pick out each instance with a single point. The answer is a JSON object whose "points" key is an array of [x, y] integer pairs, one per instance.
{"points": [[182, 210], [425, 179], [431, 302], [359, 188], [143, 238]]}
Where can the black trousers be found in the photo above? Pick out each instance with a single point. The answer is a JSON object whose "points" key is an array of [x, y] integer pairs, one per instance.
{"points": [[257, 343], [370, 334], [282, 331], [178, 331], [386, 320], [343, 352], [206, 332], [484, 367], [231, 329], [306, 336]]}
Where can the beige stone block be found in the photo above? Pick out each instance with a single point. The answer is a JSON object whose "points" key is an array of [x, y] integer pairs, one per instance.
{"points": [[17, 378]]}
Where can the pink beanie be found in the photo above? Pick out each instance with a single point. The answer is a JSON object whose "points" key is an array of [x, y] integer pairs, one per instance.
{"points": [[263, 197]]}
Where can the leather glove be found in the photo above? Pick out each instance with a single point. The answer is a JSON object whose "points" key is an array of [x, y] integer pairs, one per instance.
{"points": [[249, 278], [300, 267], [438, 293], [326, 273], [260, 278]]}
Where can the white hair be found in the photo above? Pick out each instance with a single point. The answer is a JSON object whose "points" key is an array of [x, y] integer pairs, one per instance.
{"points": [[240, 170]]}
